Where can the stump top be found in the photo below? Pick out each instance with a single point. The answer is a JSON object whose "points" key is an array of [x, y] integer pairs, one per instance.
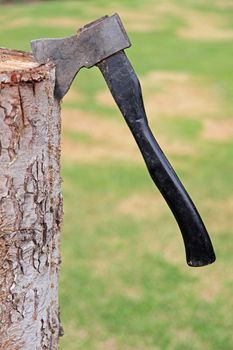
{"points": [[18, 67], [11, 60]]}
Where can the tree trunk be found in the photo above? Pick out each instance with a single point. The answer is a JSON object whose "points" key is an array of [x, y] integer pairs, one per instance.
{"points": [[30, 204]]}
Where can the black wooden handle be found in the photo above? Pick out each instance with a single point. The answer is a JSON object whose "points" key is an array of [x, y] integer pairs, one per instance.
{"points": [[125, 88]]}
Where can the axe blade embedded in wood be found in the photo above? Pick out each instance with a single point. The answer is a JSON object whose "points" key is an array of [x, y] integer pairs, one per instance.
{"points": [[92, 43], [102, 43]]}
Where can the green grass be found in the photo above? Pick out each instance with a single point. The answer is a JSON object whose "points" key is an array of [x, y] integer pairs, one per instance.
{"points": [[124, 284]]}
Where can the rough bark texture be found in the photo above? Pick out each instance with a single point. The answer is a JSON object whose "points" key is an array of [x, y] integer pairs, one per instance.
{"points": [[30, 204]]}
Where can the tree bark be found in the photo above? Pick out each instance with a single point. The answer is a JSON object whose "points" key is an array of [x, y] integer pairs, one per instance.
{"points": [[30, 204]]}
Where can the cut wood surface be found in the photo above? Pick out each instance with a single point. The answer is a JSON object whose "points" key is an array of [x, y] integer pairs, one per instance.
{"points": [[16, 60], [30, 204]]}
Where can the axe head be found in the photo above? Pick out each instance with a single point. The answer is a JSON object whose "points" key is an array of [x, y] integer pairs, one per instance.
{"points": [[93, 43]]}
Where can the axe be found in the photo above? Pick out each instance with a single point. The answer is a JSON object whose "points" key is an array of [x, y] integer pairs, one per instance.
{"points": [[102, 43]]}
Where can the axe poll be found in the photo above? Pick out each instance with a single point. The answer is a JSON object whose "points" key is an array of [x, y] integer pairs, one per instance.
{"points": [[102, 43]]}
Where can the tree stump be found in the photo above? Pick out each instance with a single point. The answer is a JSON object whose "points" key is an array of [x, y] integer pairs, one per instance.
{"points": [[30, 204]]}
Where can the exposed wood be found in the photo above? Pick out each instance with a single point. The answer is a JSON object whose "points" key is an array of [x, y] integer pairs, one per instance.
{"points": [[30, 204], [16, 60]]}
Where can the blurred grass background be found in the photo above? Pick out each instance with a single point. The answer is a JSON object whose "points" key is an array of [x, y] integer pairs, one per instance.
{"points": [[124, 283]]}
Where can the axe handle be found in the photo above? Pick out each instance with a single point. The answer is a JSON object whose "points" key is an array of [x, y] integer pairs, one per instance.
{"points": [[125, 88]]}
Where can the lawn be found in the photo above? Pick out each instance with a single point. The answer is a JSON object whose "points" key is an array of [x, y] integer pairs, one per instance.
{"points": [[124, 283]]}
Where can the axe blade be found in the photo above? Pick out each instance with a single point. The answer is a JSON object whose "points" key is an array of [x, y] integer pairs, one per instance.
{"points": [[93, 43]]}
